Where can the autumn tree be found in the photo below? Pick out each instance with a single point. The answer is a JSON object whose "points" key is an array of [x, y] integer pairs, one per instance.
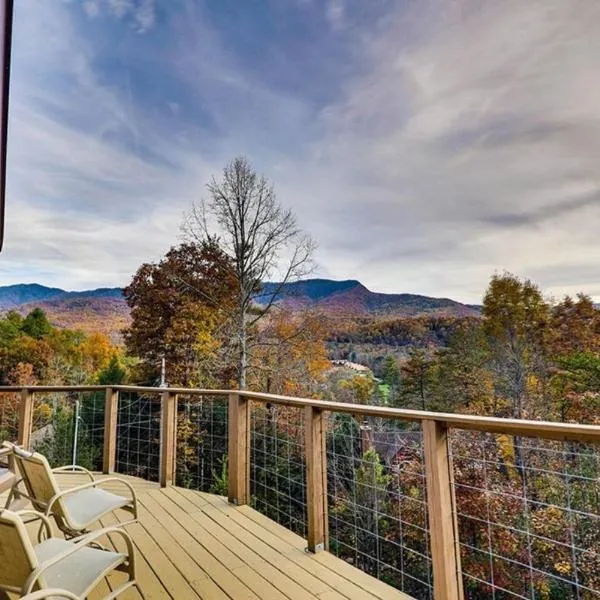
{"points": [[179, 309], [262, 240], [417, 378], [574, 326], [515, 318], [291, 356], [358, 389], [463, 381]]}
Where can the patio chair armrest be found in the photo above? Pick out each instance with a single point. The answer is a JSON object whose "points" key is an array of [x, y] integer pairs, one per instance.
{"points": [[78, 543], [99, 482], [44, 525], [74, 469], [51, 592], [87, 538], [95, 483]]}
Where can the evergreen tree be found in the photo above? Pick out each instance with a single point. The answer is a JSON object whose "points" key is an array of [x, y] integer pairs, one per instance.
{"points": [[114, 373], [36, 324]]}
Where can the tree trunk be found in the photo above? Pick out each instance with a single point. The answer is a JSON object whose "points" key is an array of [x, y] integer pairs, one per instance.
{"points": [[243, 354]]}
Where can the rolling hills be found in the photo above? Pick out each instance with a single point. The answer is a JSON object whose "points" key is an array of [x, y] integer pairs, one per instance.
{"points": [[105, 309]]}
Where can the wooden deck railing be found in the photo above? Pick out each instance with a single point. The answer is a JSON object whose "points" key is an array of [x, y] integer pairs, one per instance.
{"points": [[444, 539]]}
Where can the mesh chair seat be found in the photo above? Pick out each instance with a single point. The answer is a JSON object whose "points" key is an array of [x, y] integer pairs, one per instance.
{"points": [[89, 505], [80, 572]]}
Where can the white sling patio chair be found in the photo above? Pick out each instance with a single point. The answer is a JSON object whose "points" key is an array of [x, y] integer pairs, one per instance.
{"points": [[75, 509], [71, 565]]}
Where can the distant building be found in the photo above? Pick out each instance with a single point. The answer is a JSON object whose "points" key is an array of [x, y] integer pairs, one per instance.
{"points": [[350, 365]]}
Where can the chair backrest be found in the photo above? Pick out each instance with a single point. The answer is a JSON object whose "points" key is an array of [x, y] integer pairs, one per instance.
{"points": [[38, 478], [17, 558]]}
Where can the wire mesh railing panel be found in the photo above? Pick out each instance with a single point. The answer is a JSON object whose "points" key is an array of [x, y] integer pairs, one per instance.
{"points": [[9, 416], [528, 513], [138, 435], [278, 466], [377, 503], [201, 462], [68, 428]]}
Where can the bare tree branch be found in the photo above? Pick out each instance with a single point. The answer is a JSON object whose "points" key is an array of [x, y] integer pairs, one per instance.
{"points": [[256, 232]]}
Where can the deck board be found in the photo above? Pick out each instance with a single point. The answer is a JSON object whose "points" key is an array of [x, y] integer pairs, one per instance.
{"points": [[192, 545]]}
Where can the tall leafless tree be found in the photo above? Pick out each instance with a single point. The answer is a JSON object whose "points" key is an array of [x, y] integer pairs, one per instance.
{"points": [[262, 238]]}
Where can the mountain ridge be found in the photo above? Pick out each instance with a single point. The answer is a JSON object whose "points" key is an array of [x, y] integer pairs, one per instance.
{"points": [[105, 309], [13, 296], [351, 296]]}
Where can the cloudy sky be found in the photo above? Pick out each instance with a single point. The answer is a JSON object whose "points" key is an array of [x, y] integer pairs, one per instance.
{"points": [[424, 144]]}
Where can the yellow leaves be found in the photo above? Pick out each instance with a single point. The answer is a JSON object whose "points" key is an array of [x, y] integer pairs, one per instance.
{"points": [[563, 567], [507, 452], [543, 589], [96, 352], [362, 388], [42, 414], [549, 521], [533, 384], [291, 357], [414, 492]]}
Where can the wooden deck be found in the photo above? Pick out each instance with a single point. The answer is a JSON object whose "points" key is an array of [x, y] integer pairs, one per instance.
{"points": [[194, 545]]}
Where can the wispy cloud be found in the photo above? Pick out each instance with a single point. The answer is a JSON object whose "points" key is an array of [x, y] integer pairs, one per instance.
{"points": [[336, 14], [140, 13]]}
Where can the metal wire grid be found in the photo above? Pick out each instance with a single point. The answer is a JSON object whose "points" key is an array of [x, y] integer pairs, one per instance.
{"points": [[201, 458], [278, 466], [9, 415], [68, 428], [378, 518], [528, 512], [138, 435]]}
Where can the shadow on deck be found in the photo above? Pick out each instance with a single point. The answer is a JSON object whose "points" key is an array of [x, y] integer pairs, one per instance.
{"points": [[194, 545]]}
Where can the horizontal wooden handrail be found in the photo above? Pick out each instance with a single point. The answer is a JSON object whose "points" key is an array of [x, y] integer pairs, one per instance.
{"points": [[498, 425], [42, 389]]}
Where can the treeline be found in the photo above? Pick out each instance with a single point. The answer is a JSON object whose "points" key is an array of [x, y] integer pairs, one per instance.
{"points": [[34, 352], [525, 358], [426, 330]]}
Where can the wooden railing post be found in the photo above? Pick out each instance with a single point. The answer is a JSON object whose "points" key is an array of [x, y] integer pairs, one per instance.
{"points": [[443, 535], [25, 418], [239, 449], [111, 405], [168, 438], [316, 478]]}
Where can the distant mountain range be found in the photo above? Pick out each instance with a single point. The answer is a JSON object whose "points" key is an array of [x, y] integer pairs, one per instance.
{"points": [[12, 296], [102, 309], [352, 298], [105, 309]]}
